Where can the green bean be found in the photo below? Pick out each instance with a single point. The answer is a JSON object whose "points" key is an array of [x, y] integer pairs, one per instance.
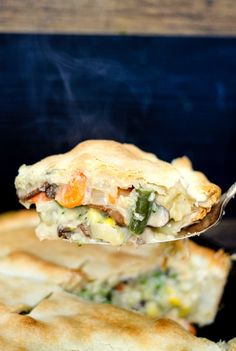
{"points": [[142, 211]]}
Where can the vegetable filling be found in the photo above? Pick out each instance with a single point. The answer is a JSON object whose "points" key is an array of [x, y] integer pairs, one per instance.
{"points": [[154, 294], [75, 212]]}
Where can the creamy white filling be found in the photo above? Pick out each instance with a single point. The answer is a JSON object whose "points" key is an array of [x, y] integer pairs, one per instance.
{"points": [[169, 214], [155, 294], [101, 227], [55, 218]]}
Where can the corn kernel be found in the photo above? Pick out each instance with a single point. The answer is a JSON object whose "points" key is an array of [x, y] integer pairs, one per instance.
{"points": [[175, 301], [109, 221], [94, 216], [152, 309], [184, 311]]}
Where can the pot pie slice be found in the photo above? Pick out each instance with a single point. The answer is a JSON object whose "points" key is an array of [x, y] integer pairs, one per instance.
{"points": [[110, 193], [179, 280], [65, 322]]}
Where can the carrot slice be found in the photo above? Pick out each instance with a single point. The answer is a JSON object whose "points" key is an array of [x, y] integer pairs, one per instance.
{"points": [[72, 194], [112, 198], [120, 287], [41, 197]]}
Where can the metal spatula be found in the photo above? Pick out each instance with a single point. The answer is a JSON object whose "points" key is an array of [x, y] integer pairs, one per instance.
{"points": [[211, 219]]}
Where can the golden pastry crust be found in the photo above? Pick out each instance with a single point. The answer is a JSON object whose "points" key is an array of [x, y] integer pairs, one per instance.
{"points": [[196, 183], [107, 162], [232, 345], [67, 323], [26, 265], [16, 219], [25, 277]]}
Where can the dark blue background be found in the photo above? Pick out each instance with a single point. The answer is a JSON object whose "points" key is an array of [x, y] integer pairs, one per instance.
{"points": [[169, 95]]}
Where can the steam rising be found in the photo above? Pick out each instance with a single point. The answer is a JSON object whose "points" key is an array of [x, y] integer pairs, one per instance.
{"points": [[83, 95]]}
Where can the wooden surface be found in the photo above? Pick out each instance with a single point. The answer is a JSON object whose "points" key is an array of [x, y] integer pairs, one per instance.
{"points": [[202, 17]]}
